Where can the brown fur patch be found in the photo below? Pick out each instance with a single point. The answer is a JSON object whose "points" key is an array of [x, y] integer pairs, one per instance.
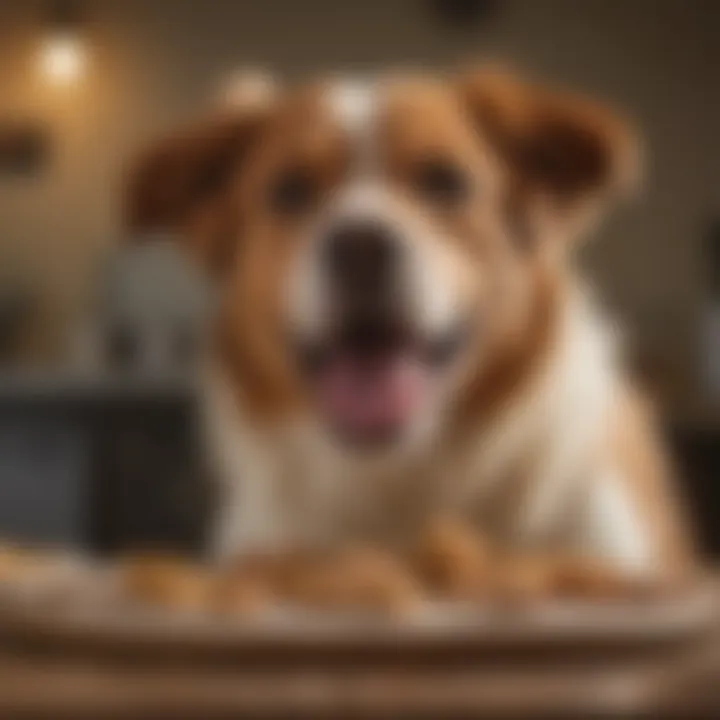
{"points": [[559, 144], [519, 356], [426, 120], [252, 342], [634, 448], [181, 184]]}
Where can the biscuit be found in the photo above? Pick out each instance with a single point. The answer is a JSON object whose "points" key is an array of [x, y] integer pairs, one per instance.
{"points": [[521, 580], [165, 581], [586, 579], [238, 594], [357, 579], [453, 561]]}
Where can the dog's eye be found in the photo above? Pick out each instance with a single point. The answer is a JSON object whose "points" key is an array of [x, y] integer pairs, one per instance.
{"points": [[294, 192], [442, 182]]}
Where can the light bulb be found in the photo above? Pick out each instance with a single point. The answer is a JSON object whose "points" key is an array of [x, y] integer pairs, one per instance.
{"points": [[62, 57], [248, 89]]}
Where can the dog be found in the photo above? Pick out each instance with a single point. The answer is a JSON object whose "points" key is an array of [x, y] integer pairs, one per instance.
{"points": [[401, 331]]}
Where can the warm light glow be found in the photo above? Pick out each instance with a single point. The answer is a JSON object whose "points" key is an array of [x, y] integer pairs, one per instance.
{"points": [[62, 57], [248, 88]]}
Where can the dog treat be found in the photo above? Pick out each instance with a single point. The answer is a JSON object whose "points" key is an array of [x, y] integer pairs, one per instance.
{"points": [[18, 561], [281, 572], [522, 580], [12, 561], [49, 576], [454, 561], [233, 593], [166, 581], [360, 578], [584, 578]]}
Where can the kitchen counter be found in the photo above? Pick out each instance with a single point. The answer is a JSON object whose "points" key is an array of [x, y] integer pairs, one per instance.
{"points": [[676, 682]]}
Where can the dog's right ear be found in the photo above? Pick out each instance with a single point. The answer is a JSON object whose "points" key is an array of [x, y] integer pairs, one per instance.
{"points": [[182, 183], [562, 151]]}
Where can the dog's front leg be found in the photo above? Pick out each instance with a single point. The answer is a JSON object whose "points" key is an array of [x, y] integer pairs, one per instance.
{"points": [[248, 513], [248, 519], [596, 517], [611, 526]]}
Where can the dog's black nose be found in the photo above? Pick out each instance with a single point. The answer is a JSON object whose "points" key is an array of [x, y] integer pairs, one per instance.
{"points": [[361, 260], [361, 256]]}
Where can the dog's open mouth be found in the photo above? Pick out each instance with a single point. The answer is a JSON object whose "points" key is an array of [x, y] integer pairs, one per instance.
{"points": [[370, 379]]}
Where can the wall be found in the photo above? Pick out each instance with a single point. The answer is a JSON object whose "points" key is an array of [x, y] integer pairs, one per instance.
{"points": [[155, 63]]}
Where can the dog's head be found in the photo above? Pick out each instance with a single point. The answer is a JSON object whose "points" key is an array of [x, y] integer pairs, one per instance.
{"points": [[374, 242]]}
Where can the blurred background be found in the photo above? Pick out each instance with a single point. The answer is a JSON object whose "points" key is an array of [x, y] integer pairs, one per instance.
{"points": [[98, 333]]}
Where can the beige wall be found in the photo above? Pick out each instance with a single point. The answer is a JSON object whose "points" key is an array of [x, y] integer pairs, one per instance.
{"points": [[155, 62]]}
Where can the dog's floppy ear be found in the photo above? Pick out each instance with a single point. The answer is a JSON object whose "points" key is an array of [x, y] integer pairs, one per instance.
{"points": [[560, 147], [181, 184]]}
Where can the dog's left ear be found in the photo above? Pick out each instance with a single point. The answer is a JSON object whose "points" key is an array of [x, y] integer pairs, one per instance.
{"points": [[182, 183], [559, 148]]}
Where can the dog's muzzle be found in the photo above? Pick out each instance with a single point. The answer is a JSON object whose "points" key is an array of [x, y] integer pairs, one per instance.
{"points": [[373, 367], [363, 266]]}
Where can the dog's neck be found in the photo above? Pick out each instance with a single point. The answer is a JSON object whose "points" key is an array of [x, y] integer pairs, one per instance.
{"points": [[517, 359]]}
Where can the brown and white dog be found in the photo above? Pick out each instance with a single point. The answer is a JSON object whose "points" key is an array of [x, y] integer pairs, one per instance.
{"points": [[401, 332]]}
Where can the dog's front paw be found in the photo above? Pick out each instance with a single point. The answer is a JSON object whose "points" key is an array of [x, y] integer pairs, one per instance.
{"points": [[355, 579], [453, 560], [588, 578]]}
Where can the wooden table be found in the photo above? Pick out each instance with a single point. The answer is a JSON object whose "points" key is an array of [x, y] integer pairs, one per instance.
{"points": [[675, 682]]}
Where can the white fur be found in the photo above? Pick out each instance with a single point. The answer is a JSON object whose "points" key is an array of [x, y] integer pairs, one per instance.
{"points": [[609, 526], [570, 498], [246, 471], [355, 105], [288, 486], [429, 281], [425, 276]]}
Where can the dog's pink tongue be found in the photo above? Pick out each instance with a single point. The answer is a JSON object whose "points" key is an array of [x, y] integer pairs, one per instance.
{"points": [[370, 397]]}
